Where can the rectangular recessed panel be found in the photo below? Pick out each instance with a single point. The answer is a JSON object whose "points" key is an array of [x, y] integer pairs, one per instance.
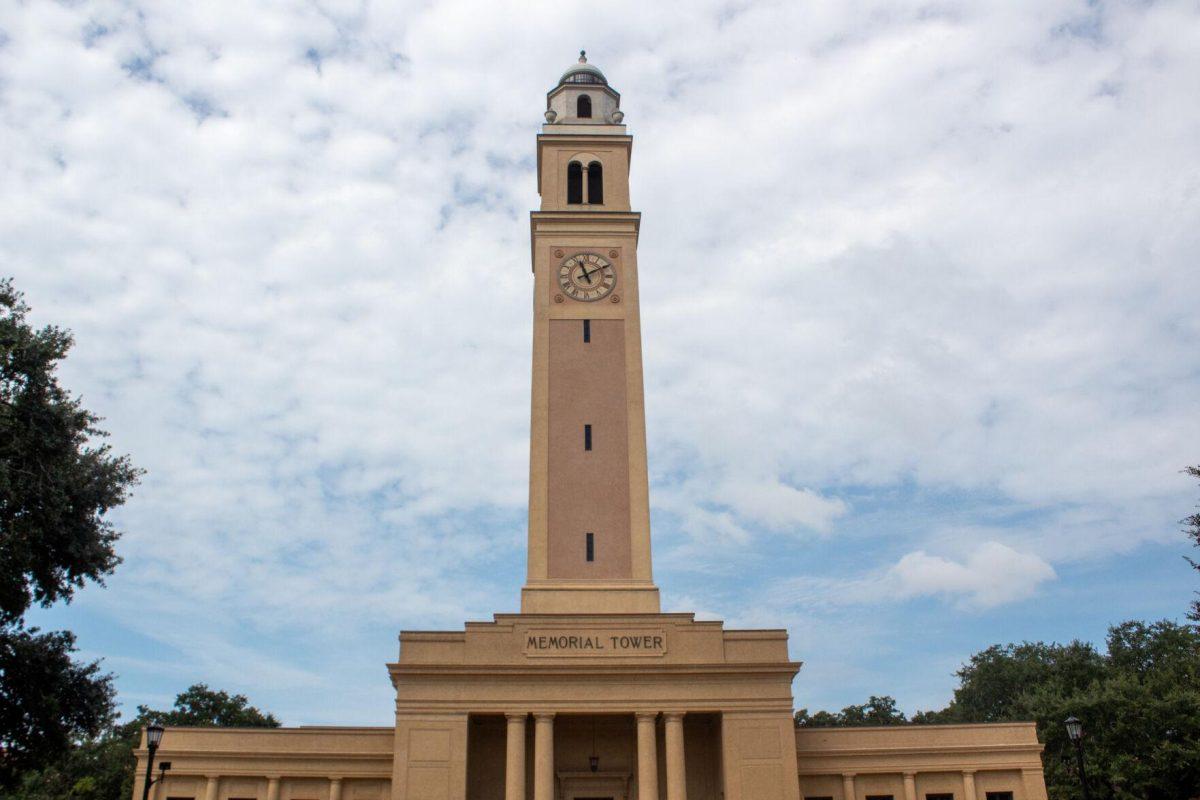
{"points": [[588, 489], [428, 783], [762, 781], [428, 745], [760, 742]]}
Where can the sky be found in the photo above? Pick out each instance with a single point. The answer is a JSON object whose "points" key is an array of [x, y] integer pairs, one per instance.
{"points": [[918, 287]]}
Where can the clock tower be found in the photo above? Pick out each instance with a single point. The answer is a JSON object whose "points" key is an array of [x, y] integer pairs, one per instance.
{"points": [[589, 509]]}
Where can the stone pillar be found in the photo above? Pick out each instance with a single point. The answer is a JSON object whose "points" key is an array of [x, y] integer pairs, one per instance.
{"points": [[273, 788], [584, 176], [335, 789], [514, 765], [910, 786], [676, 768], [647, 756], [1035, 784], [214, 783], [968, 784], [848, 786], [543, 756]]}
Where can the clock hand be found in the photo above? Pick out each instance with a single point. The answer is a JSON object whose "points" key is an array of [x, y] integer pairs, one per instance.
{"points": [[587, 276]]}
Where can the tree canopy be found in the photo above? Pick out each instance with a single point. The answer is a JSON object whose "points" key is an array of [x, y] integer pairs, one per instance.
{"points": [[1191, 527], [1139, 702], [56, 486], [101, 768]]}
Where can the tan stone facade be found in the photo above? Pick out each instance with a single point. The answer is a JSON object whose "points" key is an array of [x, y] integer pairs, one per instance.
{"points": [[590, 693]]}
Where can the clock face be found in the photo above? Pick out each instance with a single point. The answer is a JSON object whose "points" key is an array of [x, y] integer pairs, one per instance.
{"points": [[586, 277]]}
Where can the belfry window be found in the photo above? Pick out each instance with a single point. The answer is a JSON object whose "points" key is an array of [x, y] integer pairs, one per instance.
{"points": [[583, 107], [574, 182], [591, 547], [587, 331], [595, 183], [587, 437]]}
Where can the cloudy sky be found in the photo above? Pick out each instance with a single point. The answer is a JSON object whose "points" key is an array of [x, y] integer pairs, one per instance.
{"points": [[919, 288]]}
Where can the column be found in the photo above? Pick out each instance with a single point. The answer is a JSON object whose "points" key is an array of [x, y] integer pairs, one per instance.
{"points": [[910, 786], [647, 756], [514, 764], [676, 769], [335, 789], [543, 756], [968, 784], [583, 174], [214, 783], [273, 788], [848, 786]]}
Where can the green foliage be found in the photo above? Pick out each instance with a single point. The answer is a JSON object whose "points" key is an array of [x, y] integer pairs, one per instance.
{"points": [[47, 700], [1192, 529], [101, 768], [55, 485], [876, 711], [201, 707], [1139, 703]]}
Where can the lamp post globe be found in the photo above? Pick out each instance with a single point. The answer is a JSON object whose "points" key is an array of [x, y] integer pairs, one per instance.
{"points": [[1075, 734], [154, 734]]}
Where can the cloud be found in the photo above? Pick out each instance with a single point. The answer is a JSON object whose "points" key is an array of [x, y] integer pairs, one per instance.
{"points": [[917, 289], [991, 575]]}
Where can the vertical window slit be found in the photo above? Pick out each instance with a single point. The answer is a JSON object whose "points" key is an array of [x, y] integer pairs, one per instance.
{"points": [[587, 437], [591, 547], [587, 331]]}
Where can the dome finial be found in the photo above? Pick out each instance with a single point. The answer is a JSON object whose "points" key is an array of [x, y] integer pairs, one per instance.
{"points": [[583, 56]]}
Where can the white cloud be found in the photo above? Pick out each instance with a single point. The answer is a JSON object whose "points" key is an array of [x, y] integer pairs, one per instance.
{"points": [[886, 246], [991, 575]]}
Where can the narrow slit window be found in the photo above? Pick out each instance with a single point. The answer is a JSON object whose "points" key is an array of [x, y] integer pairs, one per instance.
{"points": [[591, 547], [587, 437], [587, 331]]}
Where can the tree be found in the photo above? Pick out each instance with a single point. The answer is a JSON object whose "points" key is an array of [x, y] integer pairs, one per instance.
{"points": [[101, 768], [47, 701], [876, 711], [1139, 702], [56, 485], [1192, 529], [201, 707]]}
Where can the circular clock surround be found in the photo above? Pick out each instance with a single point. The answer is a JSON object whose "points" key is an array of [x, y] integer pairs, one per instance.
{"points": [[587, 277]]}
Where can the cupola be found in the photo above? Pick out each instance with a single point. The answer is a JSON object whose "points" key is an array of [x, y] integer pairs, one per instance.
{"points": [[583, 97]]}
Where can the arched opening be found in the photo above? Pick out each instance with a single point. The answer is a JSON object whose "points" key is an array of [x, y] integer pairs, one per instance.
{"points": [[595, 183], [574, 182], [583, 107]]}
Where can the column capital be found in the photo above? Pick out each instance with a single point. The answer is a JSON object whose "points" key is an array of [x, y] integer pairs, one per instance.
{"points": [[516, 716], [909, 774], [968, 772], [543, 716], [650, 715], [673, 715]]}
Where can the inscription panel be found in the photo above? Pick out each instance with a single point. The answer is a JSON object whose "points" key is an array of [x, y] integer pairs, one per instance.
{"points": [[621, 642]]}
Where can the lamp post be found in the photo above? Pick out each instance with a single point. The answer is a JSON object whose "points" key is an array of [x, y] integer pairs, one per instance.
{"points": [[154, 734], [1075, 734]]}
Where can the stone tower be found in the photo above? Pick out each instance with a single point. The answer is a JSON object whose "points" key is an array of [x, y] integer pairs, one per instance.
{"points": [[589, 509]]}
